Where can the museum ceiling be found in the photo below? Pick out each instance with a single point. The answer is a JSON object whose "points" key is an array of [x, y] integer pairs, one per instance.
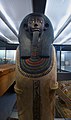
{"points": [[12, 13]]}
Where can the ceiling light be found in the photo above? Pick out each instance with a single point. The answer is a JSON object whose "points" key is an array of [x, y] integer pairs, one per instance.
{"points": [[8, 18]]}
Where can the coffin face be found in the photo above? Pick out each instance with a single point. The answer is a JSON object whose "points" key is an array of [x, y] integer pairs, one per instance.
{"points": [[36, 23], [37, 30]]}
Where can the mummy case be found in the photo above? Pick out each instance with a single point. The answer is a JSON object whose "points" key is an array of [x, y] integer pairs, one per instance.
{"points": [[36, 74]]}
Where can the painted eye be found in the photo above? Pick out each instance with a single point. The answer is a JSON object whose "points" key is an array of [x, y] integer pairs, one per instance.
{"points": [[33, 21], [30, 22]]}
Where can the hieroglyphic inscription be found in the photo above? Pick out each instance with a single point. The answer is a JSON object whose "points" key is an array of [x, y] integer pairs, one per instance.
{"points": [[36, 100]]}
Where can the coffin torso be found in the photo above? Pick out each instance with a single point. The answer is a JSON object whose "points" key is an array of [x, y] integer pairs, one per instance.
{"points": [[35, 92]]}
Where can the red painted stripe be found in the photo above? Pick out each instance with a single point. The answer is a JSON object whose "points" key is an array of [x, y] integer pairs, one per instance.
{"points": [[35, 63]]}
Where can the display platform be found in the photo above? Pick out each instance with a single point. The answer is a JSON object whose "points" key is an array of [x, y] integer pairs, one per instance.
{"points": [[7, 77], [63, 100], [14, 116]]}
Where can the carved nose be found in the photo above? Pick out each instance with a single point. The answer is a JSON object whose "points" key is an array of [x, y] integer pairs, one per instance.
{"points": [[35, 25]]}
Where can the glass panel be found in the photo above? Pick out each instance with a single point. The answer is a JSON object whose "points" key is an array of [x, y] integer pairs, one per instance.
{"points": [[58, 59], [65, 61], [10, 56], [2, 56]]}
